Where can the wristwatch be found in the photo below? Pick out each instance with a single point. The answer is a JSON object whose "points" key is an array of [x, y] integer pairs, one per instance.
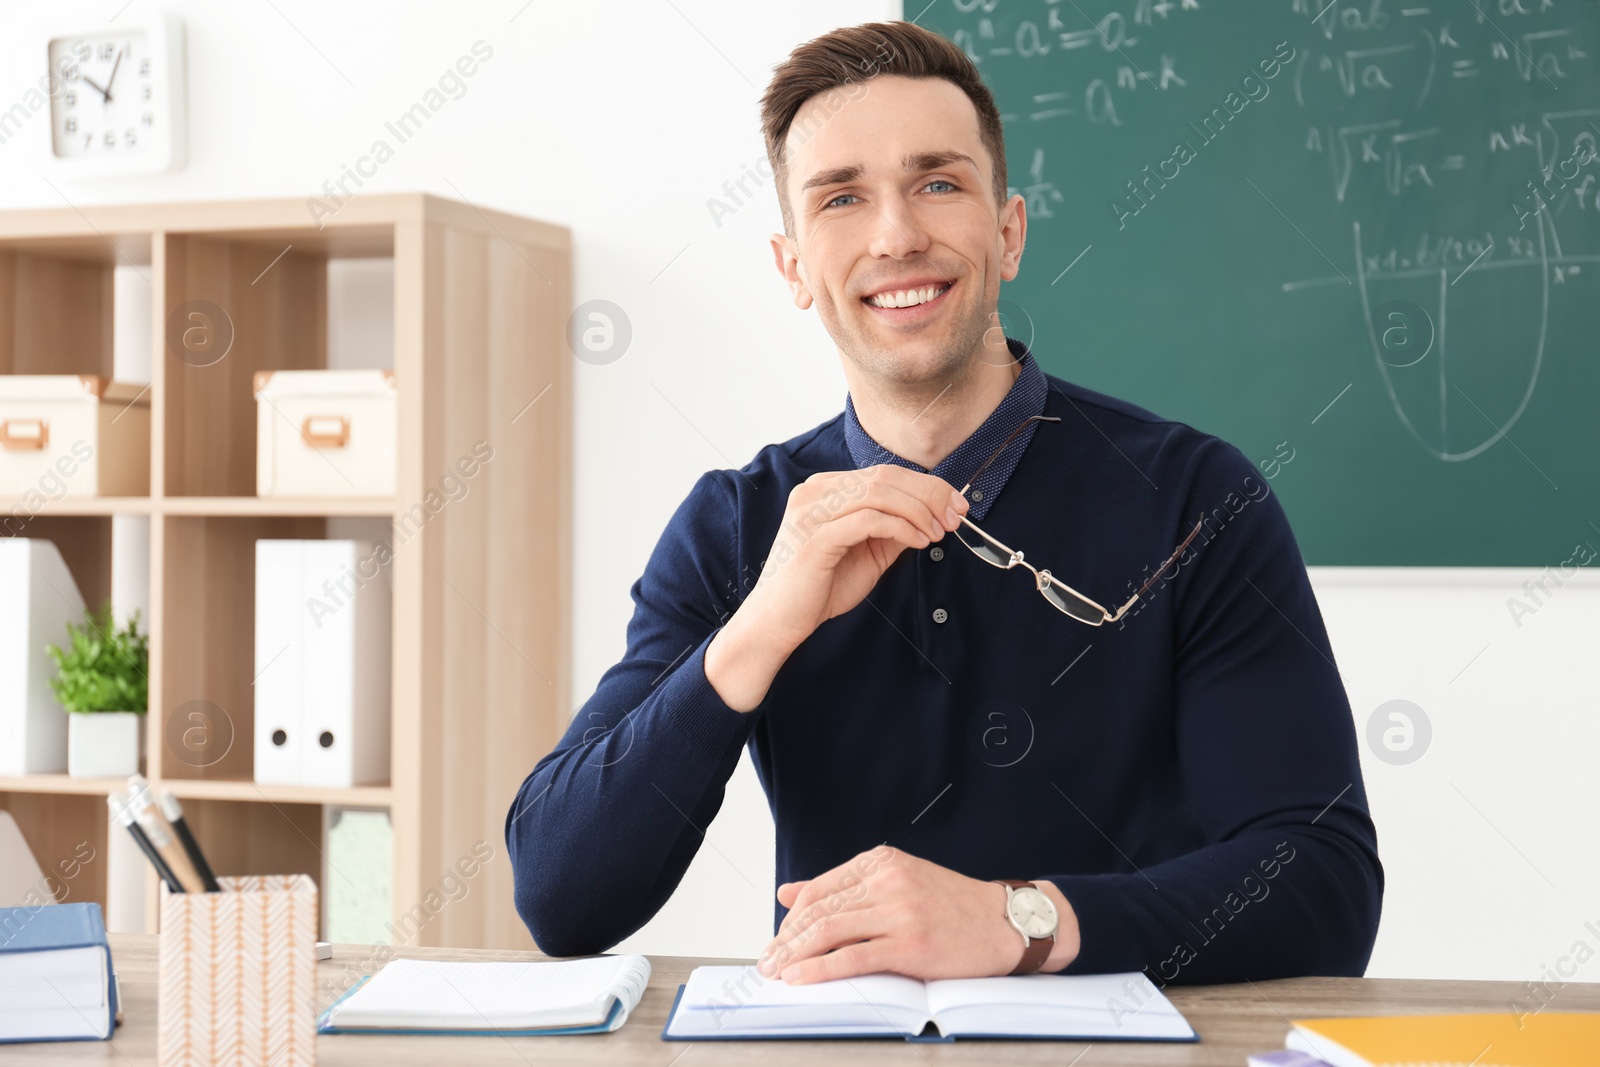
{"points": [[1034, 916]]}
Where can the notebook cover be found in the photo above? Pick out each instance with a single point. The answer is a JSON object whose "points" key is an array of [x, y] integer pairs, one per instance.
{"points": [[1548, 1039], [47, 927], [931, 1039], [323, 1026]]}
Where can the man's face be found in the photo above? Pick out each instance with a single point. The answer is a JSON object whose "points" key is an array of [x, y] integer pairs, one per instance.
{"points": [[890, 189]]}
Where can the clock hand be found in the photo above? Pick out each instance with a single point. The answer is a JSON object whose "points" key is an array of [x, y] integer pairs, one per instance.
{"points": [[113, 77], [103, 93]]}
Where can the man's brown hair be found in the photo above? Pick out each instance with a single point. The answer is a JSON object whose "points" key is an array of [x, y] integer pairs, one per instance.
{"points": [[846, 58]]}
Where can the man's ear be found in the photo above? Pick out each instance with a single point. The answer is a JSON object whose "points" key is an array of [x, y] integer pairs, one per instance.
{"points": [[786, 257], [1012, 236]]}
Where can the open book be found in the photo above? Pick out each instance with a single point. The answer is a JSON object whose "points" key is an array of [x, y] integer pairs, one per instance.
{"points": [[738, 1003], [585, 996]]}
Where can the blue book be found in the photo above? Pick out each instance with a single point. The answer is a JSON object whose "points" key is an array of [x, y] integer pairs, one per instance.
{"points": [[56, 982]]}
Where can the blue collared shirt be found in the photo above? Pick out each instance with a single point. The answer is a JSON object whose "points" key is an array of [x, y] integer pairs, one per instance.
{"points": [[1025, 398]]}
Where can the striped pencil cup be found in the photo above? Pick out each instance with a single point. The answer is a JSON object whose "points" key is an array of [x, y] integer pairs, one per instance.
{"points": [[238, 974]]}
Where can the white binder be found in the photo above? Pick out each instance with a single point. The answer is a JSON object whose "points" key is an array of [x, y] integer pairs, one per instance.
{"points": [[279, 653], [322, 664], [37, 599]]}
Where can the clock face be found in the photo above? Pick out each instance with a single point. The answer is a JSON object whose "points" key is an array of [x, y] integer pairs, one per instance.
{"points": [[1033, 911], [106, 102]]}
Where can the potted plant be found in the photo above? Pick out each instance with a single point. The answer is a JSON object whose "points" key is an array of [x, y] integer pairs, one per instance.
{"points": [[102, 680]]}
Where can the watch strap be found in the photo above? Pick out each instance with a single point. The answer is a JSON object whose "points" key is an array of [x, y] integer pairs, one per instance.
{"points": [[1039, 948]]}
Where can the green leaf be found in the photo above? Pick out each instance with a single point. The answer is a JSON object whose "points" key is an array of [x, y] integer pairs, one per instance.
{"points": [[103, 668]]}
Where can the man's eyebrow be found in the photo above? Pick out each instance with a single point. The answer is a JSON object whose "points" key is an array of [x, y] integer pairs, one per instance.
{"points": [[916, 161]]}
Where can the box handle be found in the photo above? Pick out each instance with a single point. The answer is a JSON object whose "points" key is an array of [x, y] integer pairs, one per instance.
{"points": [[24, 435], [326, 431]]}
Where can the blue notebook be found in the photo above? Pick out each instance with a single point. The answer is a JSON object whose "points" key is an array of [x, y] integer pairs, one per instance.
{"points": [[56, 982], [492, 997], [739, 1004]]}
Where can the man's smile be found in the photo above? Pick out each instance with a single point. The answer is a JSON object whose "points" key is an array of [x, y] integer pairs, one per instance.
{"points": [[909, 303]]}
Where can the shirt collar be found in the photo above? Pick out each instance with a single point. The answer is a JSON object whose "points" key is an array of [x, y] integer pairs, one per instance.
{"points": [[1027, 397]]}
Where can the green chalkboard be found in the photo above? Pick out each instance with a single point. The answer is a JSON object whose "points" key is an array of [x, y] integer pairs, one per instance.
{"points": [[1361, 235]]}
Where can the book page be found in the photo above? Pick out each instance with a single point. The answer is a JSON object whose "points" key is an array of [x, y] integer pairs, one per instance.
{"points": [[1125, 1006], [739, 1000]]}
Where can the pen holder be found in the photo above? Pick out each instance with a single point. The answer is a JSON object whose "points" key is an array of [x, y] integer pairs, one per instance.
{"points": [[238, 974]]}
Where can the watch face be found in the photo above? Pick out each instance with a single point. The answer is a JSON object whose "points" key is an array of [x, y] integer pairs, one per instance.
{"points": [[104, 100], [1033, 912]]}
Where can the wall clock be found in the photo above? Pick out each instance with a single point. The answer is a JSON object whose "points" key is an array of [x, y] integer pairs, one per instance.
{"points": [[117, 98]]}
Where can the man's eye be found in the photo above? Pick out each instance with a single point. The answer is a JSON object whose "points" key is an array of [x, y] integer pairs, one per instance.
{"points": [[936, 181]]}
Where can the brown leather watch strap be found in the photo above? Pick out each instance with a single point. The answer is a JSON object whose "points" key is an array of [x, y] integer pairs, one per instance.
{"points": [[1039, 948]]}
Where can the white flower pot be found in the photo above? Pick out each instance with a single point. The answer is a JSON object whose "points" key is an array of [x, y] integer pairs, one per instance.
{"points": [[103, 744]]}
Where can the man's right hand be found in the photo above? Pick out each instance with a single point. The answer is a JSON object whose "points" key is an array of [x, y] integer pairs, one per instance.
{"points": [[840, 532]]}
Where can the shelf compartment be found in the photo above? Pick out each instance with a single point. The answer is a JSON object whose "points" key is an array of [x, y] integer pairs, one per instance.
{"points": [[66, 832], [231, 308], [204, 691], [243, 838], [55, 310]]}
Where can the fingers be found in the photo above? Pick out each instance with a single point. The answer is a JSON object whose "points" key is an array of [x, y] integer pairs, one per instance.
{"points": [[823, 933], [863, 957], [836, 889], [788, 891], [925, 501], [861, 526]]}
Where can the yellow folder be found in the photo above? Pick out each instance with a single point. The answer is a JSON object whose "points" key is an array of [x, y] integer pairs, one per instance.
{"points": [[1503, 1039]]}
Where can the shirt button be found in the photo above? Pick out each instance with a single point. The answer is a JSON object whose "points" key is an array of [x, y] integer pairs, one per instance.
{"points": [[936, 553], [977, 494], [939, 615]]}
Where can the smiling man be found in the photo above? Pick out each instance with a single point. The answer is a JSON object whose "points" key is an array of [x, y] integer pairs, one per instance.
{"points": [[1097, 729]]}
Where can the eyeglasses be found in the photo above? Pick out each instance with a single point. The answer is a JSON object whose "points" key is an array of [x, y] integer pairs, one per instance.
{"points": [[1061, 596]]}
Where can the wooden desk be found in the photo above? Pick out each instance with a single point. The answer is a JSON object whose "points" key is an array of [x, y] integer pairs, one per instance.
{"points": [[1233, 1021]]}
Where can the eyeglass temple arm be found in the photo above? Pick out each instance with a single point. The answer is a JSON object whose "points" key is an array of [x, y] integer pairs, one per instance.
{"points": [[1159, 570], [996, 453]]}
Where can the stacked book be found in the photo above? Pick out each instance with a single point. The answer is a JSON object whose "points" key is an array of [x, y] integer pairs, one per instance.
{"points": [[56, 982]]}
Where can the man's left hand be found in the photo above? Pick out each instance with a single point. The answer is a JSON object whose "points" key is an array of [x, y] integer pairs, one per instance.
{"points": [[886, 910]]}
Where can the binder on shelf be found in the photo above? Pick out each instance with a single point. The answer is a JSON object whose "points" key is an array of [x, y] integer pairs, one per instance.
{"points": [[358, 876], [325, 433], [321, 664], [73, 435], [39, 598]]}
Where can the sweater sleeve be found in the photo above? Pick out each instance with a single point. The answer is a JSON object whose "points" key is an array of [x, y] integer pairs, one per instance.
{"points": [[602, 830], [1290, 882]]}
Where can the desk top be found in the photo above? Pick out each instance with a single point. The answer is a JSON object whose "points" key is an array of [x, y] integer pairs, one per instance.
{"points": [[1233, 1021]]}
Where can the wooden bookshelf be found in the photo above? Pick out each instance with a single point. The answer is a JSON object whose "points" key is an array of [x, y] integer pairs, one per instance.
{"points": [[481, 587]]}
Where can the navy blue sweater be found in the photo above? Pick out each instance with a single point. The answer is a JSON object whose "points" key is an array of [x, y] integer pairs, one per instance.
{"points": [[1188, 777]]}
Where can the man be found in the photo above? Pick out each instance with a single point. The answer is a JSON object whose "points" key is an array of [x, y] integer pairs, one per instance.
{"points": [[966, 779]]}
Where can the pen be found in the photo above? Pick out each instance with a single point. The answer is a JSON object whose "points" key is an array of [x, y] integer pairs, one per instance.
{"points": [[180, 827], [122, 812], [164, 843]]}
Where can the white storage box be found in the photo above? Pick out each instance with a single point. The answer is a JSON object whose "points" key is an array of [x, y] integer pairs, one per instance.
{"points": [[75, 435], [37, 599], [322, 663], [325, 433]]}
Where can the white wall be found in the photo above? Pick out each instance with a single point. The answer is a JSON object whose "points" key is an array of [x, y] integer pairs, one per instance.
{"points": [[1487, 837], [620, 120]]}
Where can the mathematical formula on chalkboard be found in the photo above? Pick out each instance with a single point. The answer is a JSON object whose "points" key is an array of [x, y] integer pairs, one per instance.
{"points": [[1408, 190]]}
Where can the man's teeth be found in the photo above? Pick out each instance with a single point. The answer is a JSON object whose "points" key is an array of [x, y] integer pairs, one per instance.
{"points": [[906, 298]]}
